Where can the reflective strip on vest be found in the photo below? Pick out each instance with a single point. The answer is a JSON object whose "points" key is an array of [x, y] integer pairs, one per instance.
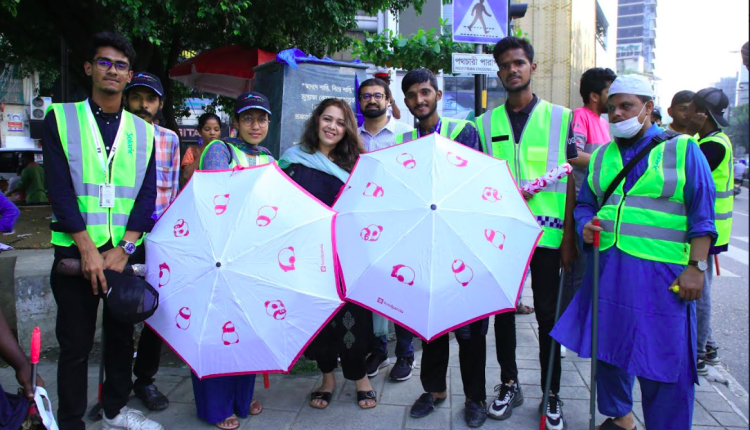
{"points": [[723, 175], [238, 156], [650, 221], [542, 147], [127, 170]]}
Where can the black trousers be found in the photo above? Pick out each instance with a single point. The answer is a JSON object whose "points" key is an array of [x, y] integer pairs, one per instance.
{"points": [[347, 336], [147, 360], [76, 324], [472, 357], [545, 281]]}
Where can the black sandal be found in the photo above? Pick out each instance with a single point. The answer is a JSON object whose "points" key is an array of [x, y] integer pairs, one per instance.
{"points": [[320, 395], [367, 395], [609, 424]]}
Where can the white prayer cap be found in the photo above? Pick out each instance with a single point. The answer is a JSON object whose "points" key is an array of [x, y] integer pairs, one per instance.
{"points": [[631, 84]]}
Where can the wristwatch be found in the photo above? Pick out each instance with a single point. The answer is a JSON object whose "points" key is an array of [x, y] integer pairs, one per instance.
{"points": [[701, 265], [129, 247]]}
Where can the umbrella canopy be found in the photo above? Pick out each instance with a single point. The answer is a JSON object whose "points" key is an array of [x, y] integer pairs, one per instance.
{"points": [[433, 235], [244, 263], [227, 71]]}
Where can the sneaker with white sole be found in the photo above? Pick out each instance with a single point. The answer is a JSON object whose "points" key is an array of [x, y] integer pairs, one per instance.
{"points": [[375, 362], [712, 356], [130, 419], [509, 396], [401, 371], [555, 420]]}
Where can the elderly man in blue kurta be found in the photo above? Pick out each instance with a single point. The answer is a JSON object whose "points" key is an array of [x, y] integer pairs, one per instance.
{"points": [[656, 228]]}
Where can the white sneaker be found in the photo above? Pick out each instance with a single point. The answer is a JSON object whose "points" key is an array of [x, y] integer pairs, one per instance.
{"points": [[130, 419]]}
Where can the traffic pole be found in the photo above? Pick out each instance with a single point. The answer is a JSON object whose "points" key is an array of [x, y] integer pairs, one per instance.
{"points": [[478, 86], [551, 360], [594, 329]]}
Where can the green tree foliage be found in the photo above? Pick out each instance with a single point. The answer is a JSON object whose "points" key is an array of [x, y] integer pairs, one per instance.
{"points": [[430, 49], [739, 128], [163, 30]]}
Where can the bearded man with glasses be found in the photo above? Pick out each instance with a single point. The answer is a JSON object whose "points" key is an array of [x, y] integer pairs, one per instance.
{"points": [[379, 130]]}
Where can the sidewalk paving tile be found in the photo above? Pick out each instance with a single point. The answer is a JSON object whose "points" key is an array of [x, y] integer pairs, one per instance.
{"points": [[701, 417], [729, 419], [296, 392], [348, 415], [438, 420], [713, 402], [269, 419], [407, 392]]}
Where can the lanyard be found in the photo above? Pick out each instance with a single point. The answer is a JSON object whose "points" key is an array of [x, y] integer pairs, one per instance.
{"points": [[437, 128], [98, 141]]}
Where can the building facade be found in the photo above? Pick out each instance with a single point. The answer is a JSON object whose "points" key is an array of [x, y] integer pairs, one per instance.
{"points": [[636, 36]]}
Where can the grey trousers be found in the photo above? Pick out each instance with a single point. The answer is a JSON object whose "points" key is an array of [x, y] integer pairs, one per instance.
{"points": [[703, 311]]}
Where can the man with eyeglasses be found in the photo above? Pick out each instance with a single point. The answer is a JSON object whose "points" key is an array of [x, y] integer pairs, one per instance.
{"points": [[379, 130], [144, 97], [101, 175], [252, 114]]}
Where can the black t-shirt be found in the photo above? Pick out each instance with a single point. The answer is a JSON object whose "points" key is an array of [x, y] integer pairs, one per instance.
{"points": [[323, 186], [713, 151]]}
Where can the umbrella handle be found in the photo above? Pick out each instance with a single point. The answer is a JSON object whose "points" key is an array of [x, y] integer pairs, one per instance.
{"points": [[266, 381], [36, 346], [597, 235]]}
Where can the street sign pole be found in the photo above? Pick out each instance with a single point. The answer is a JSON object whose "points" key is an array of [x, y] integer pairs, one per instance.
{"points": [[479, 86]]}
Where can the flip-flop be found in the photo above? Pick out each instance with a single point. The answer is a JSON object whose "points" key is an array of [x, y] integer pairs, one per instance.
{"points": [[367, 395], [256, 403], [609, 424], [320, 395], [227, 426]]}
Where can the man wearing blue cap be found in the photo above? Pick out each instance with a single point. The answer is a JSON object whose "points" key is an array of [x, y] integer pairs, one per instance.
{"points": [[144, 97], [656, 229]]}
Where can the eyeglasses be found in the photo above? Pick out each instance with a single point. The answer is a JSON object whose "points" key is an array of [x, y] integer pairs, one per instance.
{"points": [[104, 64], [367, 96], [249, 119]]}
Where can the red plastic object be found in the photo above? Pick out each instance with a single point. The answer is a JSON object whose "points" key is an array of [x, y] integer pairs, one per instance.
{"points": [[36, 345], [543, 423], [716, 263], [596, 233], [266, 381]]}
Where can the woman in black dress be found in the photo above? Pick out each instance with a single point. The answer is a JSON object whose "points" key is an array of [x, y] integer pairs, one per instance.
{"points": [[320, 164]]}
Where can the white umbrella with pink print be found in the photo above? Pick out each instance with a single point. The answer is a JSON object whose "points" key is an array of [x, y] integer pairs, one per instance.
{"points": [[433, 235], [244, 262]]}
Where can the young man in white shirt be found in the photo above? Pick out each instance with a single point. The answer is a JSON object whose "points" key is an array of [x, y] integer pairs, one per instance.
{"points": [[379, 130]]}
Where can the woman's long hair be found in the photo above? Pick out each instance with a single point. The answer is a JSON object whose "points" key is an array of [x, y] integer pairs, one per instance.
{"points": [[347, 151]]}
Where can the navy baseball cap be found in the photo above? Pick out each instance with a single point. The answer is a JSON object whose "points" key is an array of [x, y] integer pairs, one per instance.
{"points": [[251, 100], [714, 101], [146, 79]]}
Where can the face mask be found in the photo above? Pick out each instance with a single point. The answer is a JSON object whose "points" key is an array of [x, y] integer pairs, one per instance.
{"points": [[628, 128]]}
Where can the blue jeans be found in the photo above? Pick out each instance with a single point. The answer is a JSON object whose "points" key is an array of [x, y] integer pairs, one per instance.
{"points": [[404, 344], [703, 312]]}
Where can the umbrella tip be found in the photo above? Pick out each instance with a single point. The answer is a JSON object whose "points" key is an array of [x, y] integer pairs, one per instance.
{"points": [[433, 206]]}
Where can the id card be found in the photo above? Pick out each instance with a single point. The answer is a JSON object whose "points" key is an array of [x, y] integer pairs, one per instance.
{"points": [[107, 196]]}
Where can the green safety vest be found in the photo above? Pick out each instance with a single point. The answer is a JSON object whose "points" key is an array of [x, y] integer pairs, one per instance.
{"points": [[723, 176], [449, 128], [128, 169], [650, 222], [541, 149], [238, 157]]}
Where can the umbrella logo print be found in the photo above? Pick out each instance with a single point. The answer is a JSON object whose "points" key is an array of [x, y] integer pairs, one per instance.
{"points": [[406, 160], [464, 274], [491, 195], [181, 228], [371, 233], [287, 259], [164, 274], [496, 238], [276, 309], [403, 274], [266, 214], [220, 203], [182, 319], [229, 334], [373, 190], [457, 160]]}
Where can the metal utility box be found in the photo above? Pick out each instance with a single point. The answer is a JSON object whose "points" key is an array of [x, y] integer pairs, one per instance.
{"points": [[294, 93]]}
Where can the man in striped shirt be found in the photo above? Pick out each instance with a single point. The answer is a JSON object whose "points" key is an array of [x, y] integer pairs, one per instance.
{"points": [[379, 130], [144, 97]]}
